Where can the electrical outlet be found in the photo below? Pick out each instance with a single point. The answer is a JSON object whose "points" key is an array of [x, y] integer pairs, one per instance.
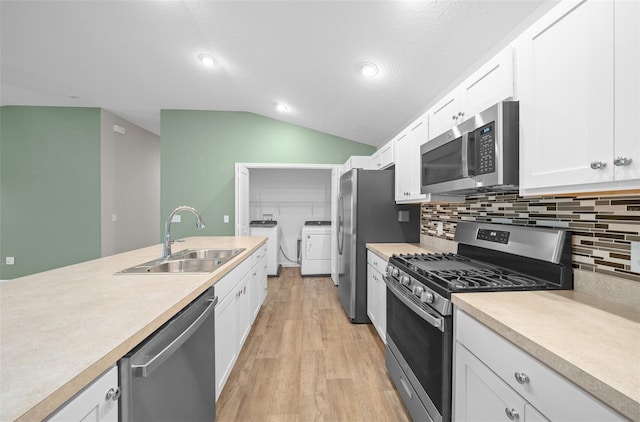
{"points": [[440, 228], [10, 260], [225, 218], [114, 217], [176, 218], [635, 257]]}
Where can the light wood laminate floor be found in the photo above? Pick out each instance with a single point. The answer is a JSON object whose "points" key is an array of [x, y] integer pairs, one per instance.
{"points": [[304, 361]]}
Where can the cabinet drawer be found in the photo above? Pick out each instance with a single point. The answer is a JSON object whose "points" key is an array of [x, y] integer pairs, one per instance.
{"points": [[224, 286], [376, 262], [555, 396]]}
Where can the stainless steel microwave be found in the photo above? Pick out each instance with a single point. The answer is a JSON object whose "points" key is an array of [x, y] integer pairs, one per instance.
{"points": [[479, 155]]}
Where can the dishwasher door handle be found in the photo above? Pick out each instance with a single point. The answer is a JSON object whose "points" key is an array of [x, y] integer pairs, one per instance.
{"points": [[153, 362]]}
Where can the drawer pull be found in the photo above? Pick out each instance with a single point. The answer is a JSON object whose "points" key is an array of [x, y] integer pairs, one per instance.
{"points": [[512, 414], [522, 378]]}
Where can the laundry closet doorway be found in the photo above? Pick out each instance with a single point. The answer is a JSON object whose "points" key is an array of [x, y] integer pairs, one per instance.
{"points": [[290, 194]]}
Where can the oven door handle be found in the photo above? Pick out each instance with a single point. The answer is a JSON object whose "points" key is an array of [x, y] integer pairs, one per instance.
{"points": [[435, 321]]}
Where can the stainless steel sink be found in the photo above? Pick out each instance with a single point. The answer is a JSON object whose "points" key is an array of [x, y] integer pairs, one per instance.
{"points": [[186, 266], [187, 261], [224, 254]]}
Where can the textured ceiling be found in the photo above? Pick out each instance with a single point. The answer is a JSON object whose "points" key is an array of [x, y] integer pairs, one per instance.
{"points": [[134, 58]]}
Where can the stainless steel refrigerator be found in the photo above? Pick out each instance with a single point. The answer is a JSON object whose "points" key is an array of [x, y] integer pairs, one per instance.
{"points": [[367, 213]]}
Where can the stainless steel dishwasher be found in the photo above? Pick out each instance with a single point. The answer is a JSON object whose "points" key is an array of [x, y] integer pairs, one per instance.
{"points": [[170, 376]]}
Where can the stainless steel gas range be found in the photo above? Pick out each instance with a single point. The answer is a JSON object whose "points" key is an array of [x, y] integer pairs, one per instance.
{"points": [[490, 258]]}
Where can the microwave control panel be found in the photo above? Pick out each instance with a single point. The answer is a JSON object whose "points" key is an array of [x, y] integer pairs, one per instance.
{"points": [[485, 149]]}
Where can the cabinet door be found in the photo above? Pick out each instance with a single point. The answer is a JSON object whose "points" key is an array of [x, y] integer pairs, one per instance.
{"points": [[402, 173], [263, 278], [490, 84], [445, 114], [382, 315], [627, 88], [383, 157], [373, 303], [565, 74], [243, 309], [480, 395], [93, 403], [255, 290], [408, 161], [226, 340]]}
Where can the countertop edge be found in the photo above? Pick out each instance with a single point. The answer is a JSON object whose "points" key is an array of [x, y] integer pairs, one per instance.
{"points": [[75, 385]]}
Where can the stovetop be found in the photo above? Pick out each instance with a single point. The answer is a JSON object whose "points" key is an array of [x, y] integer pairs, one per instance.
{"points": [[456, 273]]}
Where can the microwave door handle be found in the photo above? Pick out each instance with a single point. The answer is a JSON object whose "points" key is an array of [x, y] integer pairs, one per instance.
{"points": [[465, 154]]}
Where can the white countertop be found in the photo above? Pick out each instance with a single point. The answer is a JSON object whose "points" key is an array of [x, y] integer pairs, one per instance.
{"points": [[60, 329]]}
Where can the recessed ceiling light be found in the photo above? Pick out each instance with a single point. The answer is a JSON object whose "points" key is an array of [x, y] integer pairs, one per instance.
{"points": [[207, 60], [369, 70], [282, 107]]}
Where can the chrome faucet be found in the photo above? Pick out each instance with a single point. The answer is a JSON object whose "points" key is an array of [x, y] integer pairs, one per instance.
{"points": [[166, 244]]}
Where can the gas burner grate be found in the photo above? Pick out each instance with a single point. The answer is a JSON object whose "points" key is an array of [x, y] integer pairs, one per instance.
{"points": [[483, 279]]}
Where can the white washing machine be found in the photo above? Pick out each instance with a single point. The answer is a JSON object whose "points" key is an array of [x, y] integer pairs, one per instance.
{"points": [[316, 248], [268, 228]]}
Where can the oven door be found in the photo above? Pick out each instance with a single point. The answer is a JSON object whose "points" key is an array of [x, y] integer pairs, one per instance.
{"points": [[420, 340], [447, 163]]}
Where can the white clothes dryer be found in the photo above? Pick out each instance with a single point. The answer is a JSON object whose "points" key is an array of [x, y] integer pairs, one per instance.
{"points": [[316, 248]]}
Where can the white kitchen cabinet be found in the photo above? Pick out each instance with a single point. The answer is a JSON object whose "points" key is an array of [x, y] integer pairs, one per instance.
{"points": [[226, 340], [356, 162], [234, 313], [493, 377], [491, 83], [262, 264], [243, 309], [97, 402], [408, 165], [384, 157], [257, 290], [377, 294], [577, 70], [484, 396]]}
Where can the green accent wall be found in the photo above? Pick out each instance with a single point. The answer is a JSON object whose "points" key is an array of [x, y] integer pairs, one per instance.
{"points": [[49, 187], [199, 150]]}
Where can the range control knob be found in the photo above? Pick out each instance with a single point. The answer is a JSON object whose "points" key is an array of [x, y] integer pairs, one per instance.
{"points": [[426, 297], [392, 271], [405, 280], [417, 290]]}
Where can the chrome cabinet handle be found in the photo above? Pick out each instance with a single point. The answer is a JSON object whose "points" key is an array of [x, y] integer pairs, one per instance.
{"points": [[622, 161], [596, 165], [522, 378], [113, 394], [512, 414]]}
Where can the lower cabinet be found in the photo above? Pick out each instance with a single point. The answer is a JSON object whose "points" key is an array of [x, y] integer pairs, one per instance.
{"points": [[97, 402], [494, 380], [377, 294], [239, 294]]}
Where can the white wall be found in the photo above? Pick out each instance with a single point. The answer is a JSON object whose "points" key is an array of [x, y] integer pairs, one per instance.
{"points": [[291, 196], [130, 186]]}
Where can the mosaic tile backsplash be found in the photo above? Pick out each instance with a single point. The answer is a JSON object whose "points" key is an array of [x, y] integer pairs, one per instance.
{"points": [[603, 227]]}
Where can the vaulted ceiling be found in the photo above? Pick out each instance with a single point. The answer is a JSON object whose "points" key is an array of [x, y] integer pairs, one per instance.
{"points": [[134, 58]]}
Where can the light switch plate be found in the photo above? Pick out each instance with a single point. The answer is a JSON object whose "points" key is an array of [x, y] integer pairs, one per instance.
{"points": [[10, 260], [635, 257], [176, 218], [225, 218]]}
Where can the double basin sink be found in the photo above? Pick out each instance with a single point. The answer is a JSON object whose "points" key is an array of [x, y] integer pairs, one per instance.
{"points": [[186, 261]]}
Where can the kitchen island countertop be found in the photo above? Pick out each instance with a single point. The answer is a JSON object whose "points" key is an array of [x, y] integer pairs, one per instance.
{"points": [[595, 343], [61, 329]]}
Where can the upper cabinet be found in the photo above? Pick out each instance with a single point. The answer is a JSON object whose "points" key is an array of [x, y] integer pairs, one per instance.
{"points": [[384, 157], [579, 90], [491, 83], [407, 177]]}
